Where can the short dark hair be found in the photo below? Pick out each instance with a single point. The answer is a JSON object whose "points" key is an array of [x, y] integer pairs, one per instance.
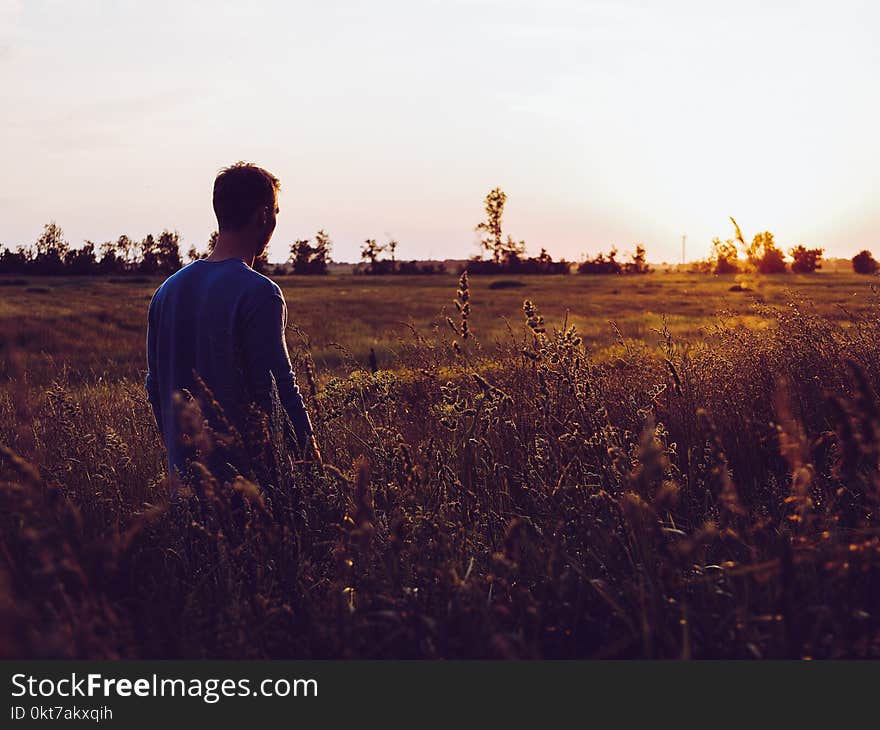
{"points": [[239, 190]]}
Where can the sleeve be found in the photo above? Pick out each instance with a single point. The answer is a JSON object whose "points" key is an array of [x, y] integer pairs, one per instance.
{"points": [[266, 356], [150, 384]]}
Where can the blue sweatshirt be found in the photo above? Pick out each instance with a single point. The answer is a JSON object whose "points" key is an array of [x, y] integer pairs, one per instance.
{"points": [[225, 321]]}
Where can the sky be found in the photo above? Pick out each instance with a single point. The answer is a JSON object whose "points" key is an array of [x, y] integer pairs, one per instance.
{"points": [[606, 123]]}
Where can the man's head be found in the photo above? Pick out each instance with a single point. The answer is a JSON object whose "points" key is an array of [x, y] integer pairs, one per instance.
{"points": [[246, 202]]}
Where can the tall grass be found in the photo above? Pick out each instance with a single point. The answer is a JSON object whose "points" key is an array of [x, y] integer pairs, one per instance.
{"points": [[713, 498]]}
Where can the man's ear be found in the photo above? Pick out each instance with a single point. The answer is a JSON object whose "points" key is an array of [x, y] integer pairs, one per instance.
{"points": [[259, 217]]}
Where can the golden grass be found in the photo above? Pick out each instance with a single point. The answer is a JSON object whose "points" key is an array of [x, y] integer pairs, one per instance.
{"points": [[679, 484]]}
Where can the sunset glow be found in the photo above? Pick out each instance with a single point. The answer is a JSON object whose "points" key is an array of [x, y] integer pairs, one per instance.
{"points": [[605, 123]]}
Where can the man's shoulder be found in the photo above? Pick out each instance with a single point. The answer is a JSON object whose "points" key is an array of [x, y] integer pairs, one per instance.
{"points": [[262, 284], [236, 281], [182, 273]]}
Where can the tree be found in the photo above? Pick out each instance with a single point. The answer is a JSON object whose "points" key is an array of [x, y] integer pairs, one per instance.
{"points": [[492, 241], [308, 259], [392, 247], [168, 247], [602, 264], [639, 263], [370, 252], [126, 252], [865, 263], [773, 262], [81, 261], [724, 257], [111, 262], [805, 260], [51, 248], [16, 262], [193, 254], [511, 252], [321, 253], [301, 255], [764, 256], [755, 250], [149, 255]]}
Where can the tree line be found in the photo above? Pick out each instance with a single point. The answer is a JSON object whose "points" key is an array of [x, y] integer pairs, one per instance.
{"points": [[762, 255], [161, 254], [152, 255], [52, 254], [372, 261]]}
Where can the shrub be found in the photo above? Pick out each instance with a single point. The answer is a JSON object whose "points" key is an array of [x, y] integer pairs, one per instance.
{"points": [[805, 260], [864, 263]]}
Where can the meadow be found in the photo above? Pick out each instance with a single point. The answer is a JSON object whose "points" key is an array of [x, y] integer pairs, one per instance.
{"points": [[659, 466], [96, 325]]}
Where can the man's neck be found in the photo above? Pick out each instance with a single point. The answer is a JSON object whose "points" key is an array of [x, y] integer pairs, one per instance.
{"points": [[232, 246]]}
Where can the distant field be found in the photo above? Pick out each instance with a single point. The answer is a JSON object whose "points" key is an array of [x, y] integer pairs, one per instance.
{"points": [[97, 325]]}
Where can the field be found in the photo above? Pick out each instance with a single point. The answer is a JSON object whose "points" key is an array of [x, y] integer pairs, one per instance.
{"points": [[97, 325], [650, 466]]}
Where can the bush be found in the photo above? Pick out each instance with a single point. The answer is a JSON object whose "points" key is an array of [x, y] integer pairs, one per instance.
{"points": [[864, 263], [805, 260], [772, 262], [602, 264]]}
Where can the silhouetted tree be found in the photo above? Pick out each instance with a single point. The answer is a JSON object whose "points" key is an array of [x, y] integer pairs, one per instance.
{"points": [[512, 252], [51, 248], [865, 263], [772, 262], [169, 252], [127, 253], [193, 254], [149, 255], [110, 262], [301, 255], [608, 264], [308, 259], [16, 262], [805, 260], [370, 253], [602, 264], [392, 247], [321, 253], [639, 262], [81, 261], [724, 258], [493, 241], [762, 254]]}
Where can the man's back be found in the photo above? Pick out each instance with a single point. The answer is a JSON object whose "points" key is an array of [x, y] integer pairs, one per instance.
{"points": [[225, 321]]}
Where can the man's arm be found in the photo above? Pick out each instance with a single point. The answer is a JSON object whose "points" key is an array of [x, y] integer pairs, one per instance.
{"points": [[265, 355], [150, 384]]}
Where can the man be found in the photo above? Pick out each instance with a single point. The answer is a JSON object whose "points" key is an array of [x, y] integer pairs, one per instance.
{"points": [[222, 320]]}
